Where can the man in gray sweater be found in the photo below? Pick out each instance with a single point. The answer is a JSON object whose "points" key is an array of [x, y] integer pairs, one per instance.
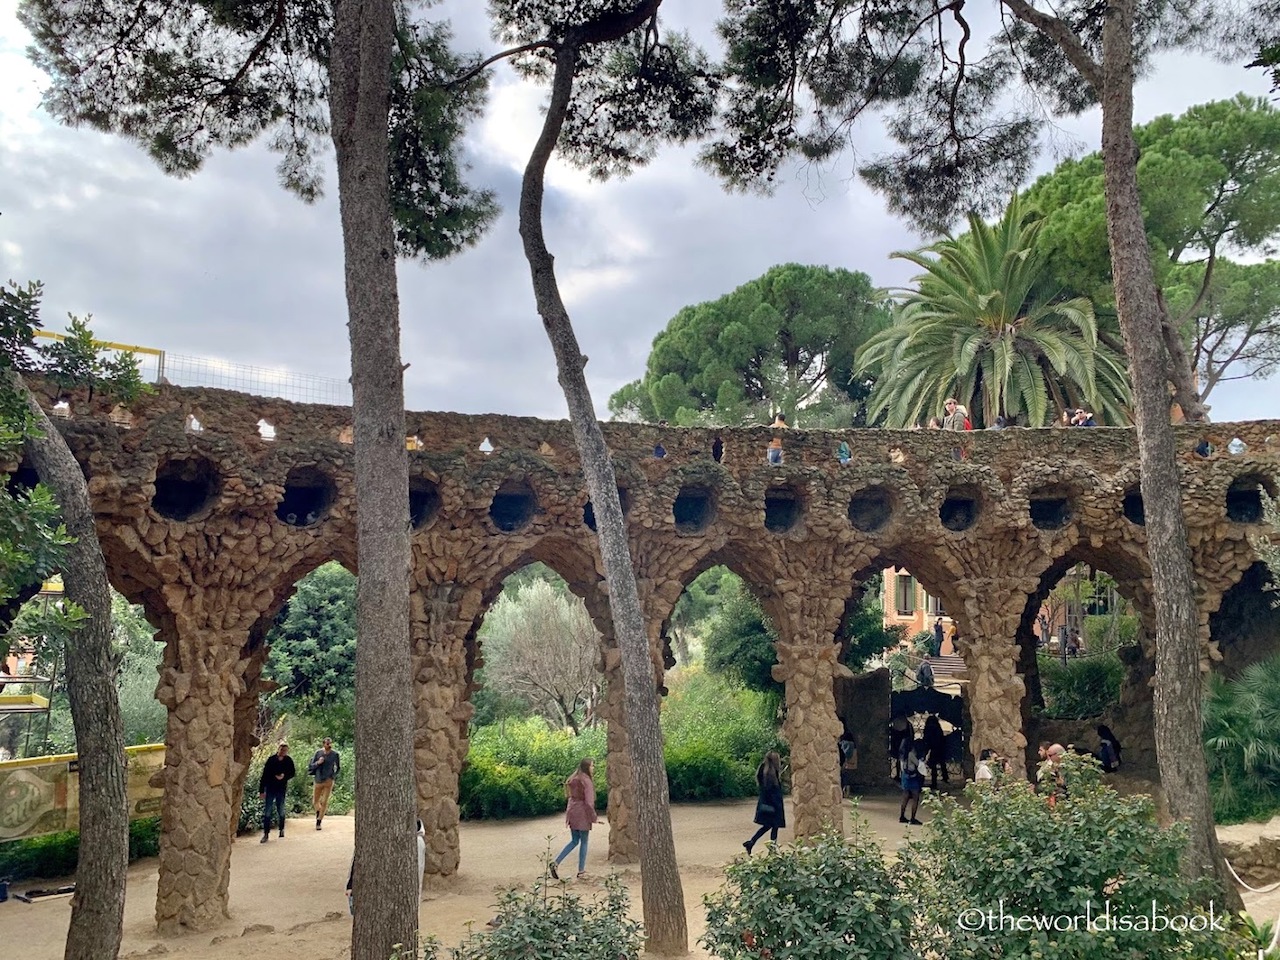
{"points": [[324, 766]]}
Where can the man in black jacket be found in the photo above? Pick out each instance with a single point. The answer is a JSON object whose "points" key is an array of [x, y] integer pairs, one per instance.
{"points": [[276, 774]]}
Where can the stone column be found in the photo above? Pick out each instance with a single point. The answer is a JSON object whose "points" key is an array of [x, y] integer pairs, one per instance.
{"points": [[813, 730], [624, 845], [441, 616], [246, 722], [201, 681], [988, 643]]}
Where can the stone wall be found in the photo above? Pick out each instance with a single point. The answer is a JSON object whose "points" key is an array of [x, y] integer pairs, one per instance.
{"points": [[862, 703], [212, 504]]}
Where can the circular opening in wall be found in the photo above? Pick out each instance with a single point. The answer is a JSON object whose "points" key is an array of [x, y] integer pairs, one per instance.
{"points": [[1050, 510], [24, 478], [960, 509], [589, 511], [1133, 509], [870, 509], [694, 509], [783, 508], [424, 502], [308, 495], [513, 506], [186, 488], [1244, 500]]}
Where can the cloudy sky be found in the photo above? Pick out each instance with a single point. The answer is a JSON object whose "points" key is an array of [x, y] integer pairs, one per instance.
{"points": [[225, 265]]}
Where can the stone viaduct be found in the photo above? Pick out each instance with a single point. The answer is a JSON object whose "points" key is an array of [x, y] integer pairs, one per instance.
{"points": [[212, 504]]}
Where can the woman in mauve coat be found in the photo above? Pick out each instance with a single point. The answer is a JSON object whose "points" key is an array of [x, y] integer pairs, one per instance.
{"points": [[769, 813], [580, 814]]}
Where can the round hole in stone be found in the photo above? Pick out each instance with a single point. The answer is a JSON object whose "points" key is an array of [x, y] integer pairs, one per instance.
{"points": [[589, 511], [424, 502], [1244, 500], [960, 509], [185, 488], [1133, 509], [1050, 510], [308, 495], [24, 478], [783, 508], [513, 506], [870, 509], [694, 509]]}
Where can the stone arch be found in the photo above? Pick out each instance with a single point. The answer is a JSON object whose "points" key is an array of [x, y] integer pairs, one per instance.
{"points": [[754, 566], [445, 622], [1245, 624], [1125, 561], [210, 579]]}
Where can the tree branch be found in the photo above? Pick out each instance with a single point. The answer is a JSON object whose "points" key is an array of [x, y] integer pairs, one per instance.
{"points": [[614, 26], [1204, 286], [276, 23], [513, 52], [1064, 36]]}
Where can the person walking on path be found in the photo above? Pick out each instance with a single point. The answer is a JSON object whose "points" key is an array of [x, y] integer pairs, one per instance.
{"points": [[938, 633], [579, 815], [324, 766], [913, 767], [769, 813], [276, 774]]}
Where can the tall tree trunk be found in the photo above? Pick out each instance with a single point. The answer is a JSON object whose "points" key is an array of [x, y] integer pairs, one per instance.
{"points": [[385, 885], [661, 893], [97, 910], [1178, 686]]}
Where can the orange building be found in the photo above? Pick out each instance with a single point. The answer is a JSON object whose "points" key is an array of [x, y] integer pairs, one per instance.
{"points": [[908, 604]]}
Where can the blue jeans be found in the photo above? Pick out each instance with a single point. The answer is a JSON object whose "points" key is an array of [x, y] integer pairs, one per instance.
{"points": [[272, 800], [580, 838]]}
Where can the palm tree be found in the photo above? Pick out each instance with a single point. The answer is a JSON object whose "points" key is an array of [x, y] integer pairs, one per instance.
{"points": [[970, 329]]}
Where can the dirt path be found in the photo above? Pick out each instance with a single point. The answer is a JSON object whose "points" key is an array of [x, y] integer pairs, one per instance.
{"points": [[287, 896]]}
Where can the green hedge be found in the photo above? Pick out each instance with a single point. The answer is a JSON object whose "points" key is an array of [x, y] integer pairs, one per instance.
{"points": [[57, 854], [1082, 688], [714, 736]]}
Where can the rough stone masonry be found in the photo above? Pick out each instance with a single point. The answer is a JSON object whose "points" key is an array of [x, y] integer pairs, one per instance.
{"points": [[212, 504]]}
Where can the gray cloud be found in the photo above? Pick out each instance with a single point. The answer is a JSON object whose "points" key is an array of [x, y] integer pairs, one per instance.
{"points": [[226, 265]]}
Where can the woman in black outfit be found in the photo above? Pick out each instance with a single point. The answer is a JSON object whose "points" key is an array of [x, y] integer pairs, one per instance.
{"points": [[769, 813]]}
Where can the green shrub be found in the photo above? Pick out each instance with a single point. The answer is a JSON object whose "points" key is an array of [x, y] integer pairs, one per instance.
{"points": [[1006, 851], [1110, 632], [536, 745], [714, 736], [492, 790], [1242, 743], [704, 709], [538, 923], [825, 898], [1081, 688], [57, 854], [697, 771]]}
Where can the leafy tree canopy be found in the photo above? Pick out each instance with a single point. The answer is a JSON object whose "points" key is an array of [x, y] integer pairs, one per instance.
{"points": [[740, 643], [973, 329], [863, 627], [184, 79], [781, 343], [1210, 183], [313, 641], [32, 537]]}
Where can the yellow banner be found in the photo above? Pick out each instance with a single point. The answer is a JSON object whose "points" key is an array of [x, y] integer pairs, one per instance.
{"points": [[42, 795]]}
